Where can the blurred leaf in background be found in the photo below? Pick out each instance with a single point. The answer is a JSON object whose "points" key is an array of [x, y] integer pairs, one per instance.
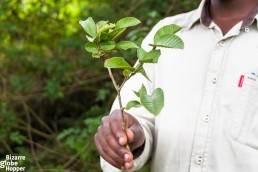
{"points": [[52, 93]]}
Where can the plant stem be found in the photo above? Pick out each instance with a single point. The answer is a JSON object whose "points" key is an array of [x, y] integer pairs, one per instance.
{"points": [[112, 78], [118, 90], [121, 109], [132, 74]]}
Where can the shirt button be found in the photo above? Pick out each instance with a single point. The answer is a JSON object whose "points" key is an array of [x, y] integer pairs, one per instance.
{"points": [[206, 118], [222, 43], [247, 29], [214, 79], [199, 160]]}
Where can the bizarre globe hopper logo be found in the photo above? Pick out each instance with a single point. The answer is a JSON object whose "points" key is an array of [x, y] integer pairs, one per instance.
{"points": [[11, 163]]}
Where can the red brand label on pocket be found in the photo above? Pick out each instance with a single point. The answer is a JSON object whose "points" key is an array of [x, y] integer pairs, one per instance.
{"points": [[241, 81]]}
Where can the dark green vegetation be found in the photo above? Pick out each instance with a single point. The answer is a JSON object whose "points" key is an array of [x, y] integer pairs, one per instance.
{"points": [[52, 93]]}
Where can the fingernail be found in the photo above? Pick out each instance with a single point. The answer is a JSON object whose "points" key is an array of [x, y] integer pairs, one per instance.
{"points": [[128, 165], [121, 140], [126, 156]]}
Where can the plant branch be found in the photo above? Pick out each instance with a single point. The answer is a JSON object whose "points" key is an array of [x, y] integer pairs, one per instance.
{"points": [[39, 119], [7, 146], [118, 90], [74, 157], [44, 148], [132, 74], [33, 152], [113, 78], [4, 85], [33, 130]]}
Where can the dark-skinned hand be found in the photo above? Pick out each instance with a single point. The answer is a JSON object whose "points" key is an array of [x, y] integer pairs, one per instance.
{"points": [[111, 140]]}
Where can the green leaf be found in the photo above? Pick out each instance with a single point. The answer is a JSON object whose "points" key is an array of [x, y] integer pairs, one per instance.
{"points": [[168, 41], [91, 47], [65, 133], [127, 72], [125, 45], [89, 26], [153, 103], [118, 62], [106, 27], [90, 39], [103, 36], [142, 91], [142, 71], [150, 57], [127, 22], [116, 33], [132, 104], [141, 53], [107, 45], [97, 54], [169, 29], [16, 137], [101, 24]]}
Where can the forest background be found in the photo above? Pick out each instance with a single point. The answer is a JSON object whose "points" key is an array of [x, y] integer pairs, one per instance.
{"points": [[52, 93]]}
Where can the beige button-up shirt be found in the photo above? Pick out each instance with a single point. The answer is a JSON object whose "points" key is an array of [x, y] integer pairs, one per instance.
{"points": [[210, 119]]}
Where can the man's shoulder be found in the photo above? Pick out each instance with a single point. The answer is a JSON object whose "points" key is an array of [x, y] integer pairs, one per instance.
{"points": [[182, 20]]}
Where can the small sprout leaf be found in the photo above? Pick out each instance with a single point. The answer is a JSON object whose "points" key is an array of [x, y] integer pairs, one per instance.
{"points": [[101, 24], [153, 103], [90, 39], [133, 104], [142, 91], [127, 72], [102, 37], [97, 55], [106, 27], [142, 71], [116, 33]]}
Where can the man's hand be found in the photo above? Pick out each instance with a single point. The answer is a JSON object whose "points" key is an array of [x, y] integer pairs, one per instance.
{"points": [[110, 139]]}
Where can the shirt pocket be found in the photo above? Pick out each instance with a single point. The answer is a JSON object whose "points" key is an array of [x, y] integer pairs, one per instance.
{"points": [[245, 124]]}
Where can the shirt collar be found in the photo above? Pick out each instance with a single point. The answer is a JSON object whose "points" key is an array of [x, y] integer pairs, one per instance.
{"points": [[195, 17], [251, 18], [202, 15]]}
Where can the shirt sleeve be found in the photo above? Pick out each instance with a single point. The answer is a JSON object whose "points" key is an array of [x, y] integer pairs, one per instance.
{"points": [[145, 118]]}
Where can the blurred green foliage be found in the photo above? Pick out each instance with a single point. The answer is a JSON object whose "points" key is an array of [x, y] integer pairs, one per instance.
{"points": [[52, 93]]}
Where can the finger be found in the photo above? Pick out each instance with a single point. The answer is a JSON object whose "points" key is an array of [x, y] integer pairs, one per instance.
{"points": [[128, 165], [103, 154], [112, 142], [135, 133], [130, 135], [136, 136], [108, 150], [117, 129]]}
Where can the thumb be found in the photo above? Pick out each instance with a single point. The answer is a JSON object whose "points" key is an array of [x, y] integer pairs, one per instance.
{"points": [[130, 135]]}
